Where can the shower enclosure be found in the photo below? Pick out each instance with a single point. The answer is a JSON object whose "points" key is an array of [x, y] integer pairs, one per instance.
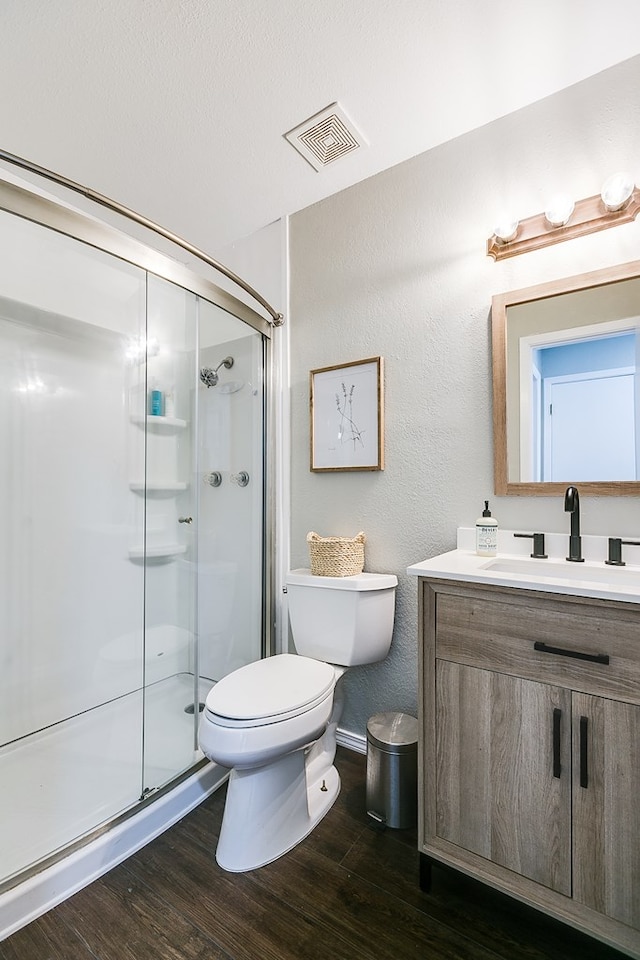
{"points": [[134, 533]]}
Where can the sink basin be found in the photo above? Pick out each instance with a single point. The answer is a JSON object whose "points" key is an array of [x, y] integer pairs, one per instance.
{"points": [[566, 570], [593, 578]]}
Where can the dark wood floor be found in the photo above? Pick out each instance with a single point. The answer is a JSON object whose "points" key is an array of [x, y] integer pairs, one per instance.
{"points": [[348, 892]]}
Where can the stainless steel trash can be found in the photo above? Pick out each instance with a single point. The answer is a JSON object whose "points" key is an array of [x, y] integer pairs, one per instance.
{"points": [[392, 769]]}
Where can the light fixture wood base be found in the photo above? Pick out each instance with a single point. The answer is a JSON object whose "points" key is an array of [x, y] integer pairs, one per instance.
{"points": [[589, 216]]}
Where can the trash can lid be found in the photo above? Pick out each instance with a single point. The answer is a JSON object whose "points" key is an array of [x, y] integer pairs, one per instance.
{"points": [[393, 732]]}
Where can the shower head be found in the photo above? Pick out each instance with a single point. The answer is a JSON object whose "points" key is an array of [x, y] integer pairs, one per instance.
{"points": [[209, 375]]}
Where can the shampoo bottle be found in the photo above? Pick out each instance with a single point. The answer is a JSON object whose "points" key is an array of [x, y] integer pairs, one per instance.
{"points": [[155, 401], [486, 533]]}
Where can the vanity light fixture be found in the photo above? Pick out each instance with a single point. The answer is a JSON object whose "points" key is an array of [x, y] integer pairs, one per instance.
{"points": [[559, 210], [619, 202], [616, 191], [506, 231]]}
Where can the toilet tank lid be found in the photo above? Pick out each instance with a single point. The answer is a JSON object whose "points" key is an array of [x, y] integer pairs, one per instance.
{"points": [[361, 581]]}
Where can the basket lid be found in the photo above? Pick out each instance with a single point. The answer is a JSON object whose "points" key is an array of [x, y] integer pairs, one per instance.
{"points": [[360, 581]]}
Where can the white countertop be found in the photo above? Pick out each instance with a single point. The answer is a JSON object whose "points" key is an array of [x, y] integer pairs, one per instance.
{"points": [[593, 578]]}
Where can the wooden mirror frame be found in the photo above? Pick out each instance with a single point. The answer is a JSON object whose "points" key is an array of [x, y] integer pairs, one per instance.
{"points": [[499, 305]]}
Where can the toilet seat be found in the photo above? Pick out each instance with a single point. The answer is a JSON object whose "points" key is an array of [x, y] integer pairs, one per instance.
{"points": [[270, 691]]}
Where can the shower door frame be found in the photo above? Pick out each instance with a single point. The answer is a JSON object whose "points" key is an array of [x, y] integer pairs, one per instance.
{"points": [[79, 226], [52, 214]]}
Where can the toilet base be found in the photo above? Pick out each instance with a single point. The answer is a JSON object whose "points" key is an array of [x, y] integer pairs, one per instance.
{"points": [[270, 809]]}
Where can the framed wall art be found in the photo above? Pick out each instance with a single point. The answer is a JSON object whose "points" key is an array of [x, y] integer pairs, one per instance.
{"points": [[347, 416]]}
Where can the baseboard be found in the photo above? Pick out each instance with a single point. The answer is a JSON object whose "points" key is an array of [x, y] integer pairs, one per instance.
{"points": [[46, 889], [352, 741]]}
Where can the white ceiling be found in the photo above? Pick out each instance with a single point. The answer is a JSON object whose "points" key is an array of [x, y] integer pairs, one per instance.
{"points": [[177, 108]]}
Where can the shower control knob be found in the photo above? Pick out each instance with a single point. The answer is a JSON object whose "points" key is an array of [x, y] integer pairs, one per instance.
{"points": [[214, 479], [185, 519], [242, 478]]}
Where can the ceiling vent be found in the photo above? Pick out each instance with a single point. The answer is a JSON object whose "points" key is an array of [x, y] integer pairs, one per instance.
{"points": [[325, 137]]}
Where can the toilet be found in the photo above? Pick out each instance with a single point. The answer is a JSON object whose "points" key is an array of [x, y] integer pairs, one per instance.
{"points": [[274, 722]]}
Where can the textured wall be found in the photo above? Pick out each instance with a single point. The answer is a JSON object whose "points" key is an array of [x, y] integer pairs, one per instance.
{"points": [[396, 266]]}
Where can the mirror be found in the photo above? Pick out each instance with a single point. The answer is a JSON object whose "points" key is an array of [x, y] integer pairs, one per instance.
{"points": [[566, 397]]}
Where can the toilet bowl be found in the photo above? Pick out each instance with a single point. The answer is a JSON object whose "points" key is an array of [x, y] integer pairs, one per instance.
{"points": [[260, 720], [274, 722]]}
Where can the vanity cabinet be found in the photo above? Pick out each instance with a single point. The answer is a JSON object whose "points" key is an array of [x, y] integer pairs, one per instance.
{"points": [[530, 748]]}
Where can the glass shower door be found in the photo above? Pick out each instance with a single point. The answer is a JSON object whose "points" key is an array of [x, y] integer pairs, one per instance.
{"points": [[203, 414], [71, 612], [169, 415]]}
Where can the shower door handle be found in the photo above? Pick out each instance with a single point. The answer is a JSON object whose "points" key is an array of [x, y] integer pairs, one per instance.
{"points": [[185, 519]]}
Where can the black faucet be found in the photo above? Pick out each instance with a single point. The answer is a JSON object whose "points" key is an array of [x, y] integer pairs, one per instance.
{"points": [[572, 506]]}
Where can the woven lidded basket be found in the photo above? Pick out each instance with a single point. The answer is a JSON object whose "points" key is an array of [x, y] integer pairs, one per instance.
{"points": [[336, 556]]}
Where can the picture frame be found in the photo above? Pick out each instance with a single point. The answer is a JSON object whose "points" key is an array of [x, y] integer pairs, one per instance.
{"points": [[346, 406]]}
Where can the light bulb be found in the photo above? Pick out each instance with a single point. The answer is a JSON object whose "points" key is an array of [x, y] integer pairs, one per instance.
{"points": [[559, 210], [616, 191], [506, 230]]}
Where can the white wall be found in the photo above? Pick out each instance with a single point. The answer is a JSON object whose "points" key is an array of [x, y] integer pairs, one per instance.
{"points": [[396, 266]]}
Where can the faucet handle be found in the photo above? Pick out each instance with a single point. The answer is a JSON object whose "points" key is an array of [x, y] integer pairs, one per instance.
{"points": [[615, 550], [538, 544]]}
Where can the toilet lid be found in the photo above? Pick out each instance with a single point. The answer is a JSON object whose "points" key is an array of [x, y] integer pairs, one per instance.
{"points": [[280, 684]]}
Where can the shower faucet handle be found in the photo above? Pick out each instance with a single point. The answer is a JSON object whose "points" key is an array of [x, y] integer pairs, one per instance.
{"points": [[242, 478], [185, 519]]}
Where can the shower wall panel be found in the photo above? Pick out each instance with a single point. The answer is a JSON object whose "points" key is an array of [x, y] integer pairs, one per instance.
{"points": [[230, 554], [69, 523]]}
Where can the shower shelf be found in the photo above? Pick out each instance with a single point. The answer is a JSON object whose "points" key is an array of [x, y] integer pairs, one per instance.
{"points": [[162, 550], [168, 487], [158, 421]]}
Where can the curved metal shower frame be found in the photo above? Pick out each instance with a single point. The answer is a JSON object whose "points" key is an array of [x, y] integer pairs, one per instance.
{"points": [[277, 318]]}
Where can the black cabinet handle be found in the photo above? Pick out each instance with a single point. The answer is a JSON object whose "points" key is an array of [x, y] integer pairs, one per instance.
{"points": [[557, 719], [576, 654], [584, 760]]}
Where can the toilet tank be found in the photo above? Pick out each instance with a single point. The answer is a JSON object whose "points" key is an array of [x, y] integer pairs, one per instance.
{"points": [[342, 620]]}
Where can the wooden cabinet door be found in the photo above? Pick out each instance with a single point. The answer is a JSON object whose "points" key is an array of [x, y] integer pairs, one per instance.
{"points": [[606, 806], [503, 771]]}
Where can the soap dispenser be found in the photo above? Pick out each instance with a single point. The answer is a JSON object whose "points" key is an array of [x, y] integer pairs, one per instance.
{"points": [[486, 533]]}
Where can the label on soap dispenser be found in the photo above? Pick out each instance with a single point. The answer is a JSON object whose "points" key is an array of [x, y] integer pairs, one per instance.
{"points": [[487, 539]]}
